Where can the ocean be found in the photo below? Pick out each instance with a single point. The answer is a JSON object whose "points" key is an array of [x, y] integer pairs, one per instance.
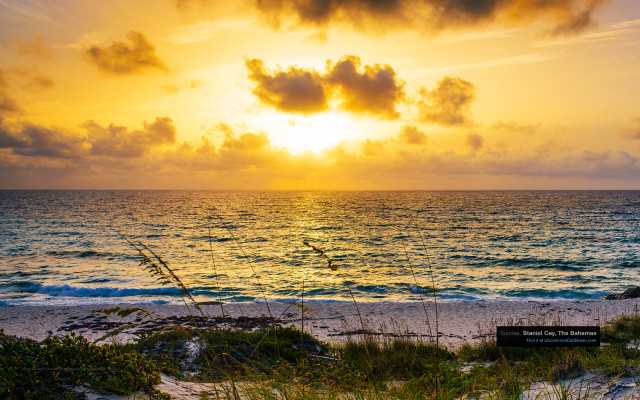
{"points": [[72, 247]]}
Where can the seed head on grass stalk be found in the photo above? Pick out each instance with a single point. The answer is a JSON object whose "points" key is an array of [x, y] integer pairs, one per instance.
{"points": [[330, 264], [322, 254], [163, 273]]}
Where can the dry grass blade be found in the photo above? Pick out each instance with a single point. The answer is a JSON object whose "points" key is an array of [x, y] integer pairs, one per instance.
{"points": [[435, 298], [246, 257], [415, 280], [213, 263]]}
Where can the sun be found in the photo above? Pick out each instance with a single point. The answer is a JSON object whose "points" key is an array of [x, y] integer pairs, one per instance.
{"points": [[313, 133]]}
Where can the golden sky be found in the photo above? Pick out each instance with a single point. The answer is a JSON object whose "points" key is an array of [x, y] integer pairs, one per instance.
{"points": [[320, 94]]}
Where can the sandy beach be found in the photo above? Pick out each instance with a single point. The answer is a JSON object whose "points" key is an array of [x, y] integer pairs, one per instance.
{"points": [[331, 322]]}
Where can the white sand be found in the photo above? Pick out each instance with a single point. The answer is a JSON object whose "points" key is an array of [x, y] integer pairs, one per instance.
{"points": [[332, 322]]}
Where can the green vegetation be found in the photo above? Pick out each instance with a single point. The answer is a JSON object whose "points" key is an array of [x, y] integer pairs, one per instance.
{"points": [[282, 362], [48, 370], [399, 368]]}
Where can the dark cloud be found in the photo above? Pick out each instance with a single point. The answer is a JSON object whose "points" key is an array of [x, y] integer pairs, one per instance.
{"points": [[112, 141], [118, 141], [475, 141], [449, 103], [409, 134], [320, 13], [8, 139], [375, 90], [37, 48], [569, 16], [122, 58], [372, 90], [38, 141], [295, 90]]}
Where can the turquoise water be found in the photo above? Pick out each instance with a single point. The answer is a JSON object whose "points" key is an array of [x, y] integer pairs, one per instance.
{"points": [[65, 247]]}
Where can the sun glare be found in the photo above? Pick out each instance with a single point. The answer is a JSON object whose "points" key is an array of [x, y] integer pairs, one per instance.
{"points": [[313, 133]]}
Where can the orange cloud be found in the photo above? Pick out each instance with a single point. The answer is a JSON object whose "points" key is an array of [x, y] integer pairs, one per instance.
{"points": [[412, 135], [449, 103], [118, 141], [151, 157], [375, 91], [122, 58]]}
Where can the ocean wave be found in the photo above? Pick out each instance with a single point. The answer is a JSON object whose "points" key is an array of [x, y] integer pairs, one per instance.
{"points": [[83, 254], [513, 295], [546, 294], [289, 300], [450, 296], [84, 291], [417, 289]]}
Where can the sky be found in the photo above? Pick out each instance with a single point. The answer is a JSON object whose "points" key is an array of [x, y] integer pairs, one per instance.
{"points": [[320, 94]]}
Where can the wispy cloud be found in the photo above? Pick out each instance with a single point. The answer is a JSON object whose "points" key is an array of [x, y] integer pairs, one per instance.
{"points": [[522, 59], [24, 10], [205, 30], [605, 34]]}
